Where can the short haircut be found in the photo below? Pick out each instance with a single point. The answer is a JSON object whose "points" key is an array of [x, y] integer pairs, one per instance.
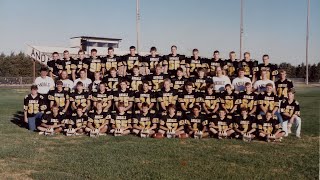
{"points": [[145, 105], [79, 83], [211, 85], [265, 55], [171, 106], [135, 67], [167, 80], [113, 69], [248, 84], [81, 51], [196, 107], [153, 49], [80, 107], [174, 46], [83, 69], [282, 71], [121, 104], [99, 102], [269, 84], [244, 109], [232, 52], [241, 69], [195, 50], [179, 69], [132, 47], [216, 51], [55, 53], [188, 84], [34, 87], [201, 69], [227, 85], [43, 68], [292, 90], [65, 51], [59, 82], [246, 53], [94, 50], [158, 65], [110, 48]]}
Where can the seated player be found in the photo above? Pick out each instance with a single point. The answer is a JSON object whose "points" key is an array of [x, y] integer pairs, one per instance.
{"points": [[229, 100], [135, 80], [210, 100], [200, 80], [269, 101], [220, 80], [60, 97], [83, 78], [156, 80], [94, 86], [80, 97], [260, 85], [98, 121], [125, 96], [77, 123], [34, 106], [269, 127], [171, 123], [145, 96], [52, 122], [179, 80], [290, 112], [239, 82], [245, 126], [104, 96], [248, 99], [197, 123], [112, 80], [188, 98], [283, 85], [221, 126], [145, 123], [121, 122], [167, 96]]}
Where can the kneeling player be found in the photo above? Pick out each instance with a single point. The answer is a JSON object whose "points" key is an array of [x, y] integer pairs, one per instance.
{"points": [[52, 122], [171, 123], [121, 122], [221, 125], [98, 121], [197, 123], [77, 123], [145, 123], [245, 126], [269, 128]]}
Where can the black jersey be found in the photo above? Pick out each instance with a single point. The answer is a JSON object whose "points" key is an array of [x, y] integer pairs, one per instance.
{"points": [[77, 65], [66, 65], [232, 68], [135, 82], [121, 120], [245, 124], [272, 70], [79, 98], [268, 100], [95, 64], [189, 99], [173, 62], [145, 97], [145, 121], [292, 108], [214, 63], [221, 123], [193, 64], [270, 126], [111, 82], [104, 97], [197, 122], [125, 97], [98, 118], [129, 61], [172, 122], [54, 66], [156, 81], [249, 67], [247, 100], [282, 88], [168, 97], [200, 84], [211, 100], [229, 99], [34, 105], [111, 62], [50, 119], [59, 97], [76, 121], [151, 62], [178, 83]]}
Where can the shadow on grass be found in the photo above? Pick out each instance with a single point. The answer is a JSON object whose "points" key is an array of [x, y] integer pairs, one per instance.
{"points": [[18, 119]]}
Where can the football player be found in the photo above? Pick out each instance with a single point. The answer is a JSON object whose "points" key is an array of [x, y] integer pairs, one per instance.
{"points": [[272, 69], [125, 96], [197, 123], [135, 80], [167, 95], [121, 122], [283, 85], [60, 97], [104, 96], [245, 126], [77, 123], [80, 97], [215, 62], [78, 64], [131, 60], [195, 62], [250, 66], [188, 98], [152, 60], [239, 82], [229, 100], [156, 80], [200, 80], [83, 78], [173, 61], [171, 123], [94, 63], [111, 61], [210, 100], [98, 121], [220, 80], [54, 65], [269, 127], [52, 122], [248, 100], [232, 65], [179, 80], [145, 123], [65, 63], [221, 125], [145, 96], [112, 80]]}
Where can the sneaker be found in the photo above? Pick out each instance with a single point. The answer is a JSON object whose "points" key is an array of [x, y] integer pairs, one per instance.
{"points": [[298, 136], [41, 133]]}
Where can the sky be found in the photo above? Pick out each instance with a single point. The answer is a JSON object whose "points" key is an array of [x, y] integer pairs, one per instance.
{"points": [[274, 27]]}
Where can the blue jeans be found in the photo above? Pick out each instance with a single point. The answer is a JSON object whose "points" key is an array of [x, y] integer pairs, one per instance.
{"points": [[277, 114], [32, 121]]}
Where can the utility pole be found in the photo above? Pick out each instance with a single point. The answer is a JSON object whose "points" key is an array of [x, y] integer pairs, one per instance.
{"points": [[241, 28], [138, 25], [307, 44]]}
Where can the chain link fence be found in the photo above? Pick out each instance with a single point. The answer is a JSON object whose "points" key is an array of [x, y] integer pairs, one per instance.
{"points": [[16, 81]]}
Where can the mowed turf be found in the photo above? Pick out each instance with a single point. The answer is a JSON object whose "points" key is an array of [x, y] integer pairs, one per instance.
{"points": [[26, 155]]}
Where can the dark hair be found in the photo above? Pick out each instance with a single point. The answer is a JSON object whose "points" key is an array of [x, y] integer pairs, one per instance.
{"points": [[132, 47], [227, 85], [110, 48], [81, 51], [265, 55], [79, 83], [55, 53], [269, 84], [195, 50], [179, 69], [247, 84], [145, 104], [65, 51], [174, 46], [94, 50], [83, 69], [171, 106], [188, 84], [59, 82], [241, 69], [232, 52], [43, 68], [196, 107], [153, 49], [216, 51], [34, 87], [244, 109]]}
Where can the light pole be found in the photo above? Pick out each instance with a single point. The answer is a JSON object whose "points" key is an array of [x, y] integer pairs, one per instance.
{"points": [[307, 44], [241, 27], [138, 25]]}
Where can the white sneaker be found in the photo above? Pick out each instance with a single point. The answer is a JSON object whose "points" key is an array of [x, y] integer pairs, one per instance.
{"points": [[298, 136]]}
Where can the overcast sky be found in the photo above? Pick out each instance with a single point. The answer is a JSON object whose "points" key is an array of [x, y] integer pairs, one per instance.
{"points": [[275, 27]]}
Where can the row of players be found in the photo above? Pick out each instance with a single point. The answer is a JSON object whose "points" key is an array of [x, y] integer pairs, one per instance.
{"points": [[210, 101], [170, 63]]}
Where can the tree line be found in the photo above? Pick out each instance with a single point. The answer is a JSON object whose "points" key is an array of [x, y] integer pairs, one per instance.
{"points": [[21, 65]]}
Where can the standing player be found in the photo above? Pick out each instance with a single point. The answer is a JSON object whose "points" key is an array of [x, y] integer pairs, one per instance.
{"points": [[111, 61], [215, 62], [44, 83], [232, 65], [152, 60], [129, 61], [121, 122], [283, 85], [272, 69], [200, 81], [195, 62], [167, 96], [125, 96], [290, 112], [94, 64], [220, 80], [156, 80], [248, 100], [59, 97], [269, 101], [173, 61], [145, 96], [52, 122], [83, 78], [98, 121], [179, 80], [229, 100], [239, 82], [78, 64], [112, 80], [210, 100], [78, 97], [66, 63], [260, 85], [221, 126], [34, 106], [269, 127], [54, 65], [197, 123], [250, 66], [245, 126], [67, 83], [188, 99], [171, 123], [145, 123]]}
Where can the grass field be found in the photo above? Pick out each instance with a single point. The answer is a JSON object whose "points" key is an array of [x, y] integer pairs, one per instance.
{"points": [[26, 155]]}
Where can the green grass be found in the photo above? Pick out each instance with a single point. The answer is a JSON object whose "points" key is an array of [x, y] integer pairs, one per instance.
{"points": [[26, 155]]}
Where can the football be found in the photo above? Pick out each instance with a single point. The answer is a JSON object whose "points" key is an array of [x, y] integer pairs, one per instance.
{"points": [[158, 136], [183, 136]]}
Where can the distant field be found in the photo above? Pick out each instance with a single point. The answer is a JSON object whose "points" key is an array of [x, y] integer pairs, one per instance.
{"points": [[26, 155]]}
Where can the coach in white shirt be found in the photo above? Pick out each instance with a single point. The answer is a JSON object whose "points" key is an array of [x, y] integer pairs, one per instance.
{"points": [[220, 81], [83, 78], [44, 82], [239, 82], [260, 85], [67, 83]]}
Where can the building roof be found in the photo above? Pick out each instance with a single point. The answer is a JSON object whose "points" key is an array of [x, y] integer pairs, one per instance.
{"points": [[97, 38]]}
